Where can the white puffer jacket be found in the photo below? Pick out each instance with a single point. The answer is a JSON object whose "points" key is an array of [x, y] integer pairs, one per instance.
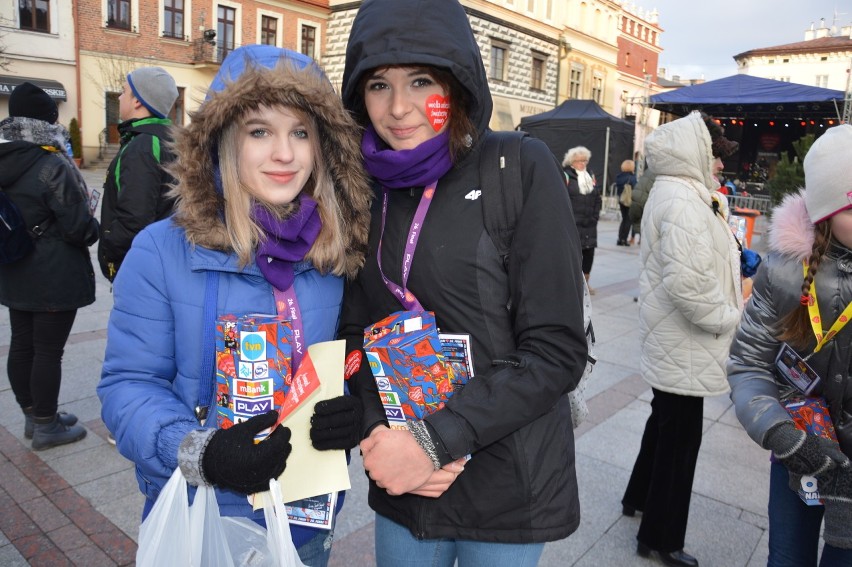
{"points": [[690, 287]]}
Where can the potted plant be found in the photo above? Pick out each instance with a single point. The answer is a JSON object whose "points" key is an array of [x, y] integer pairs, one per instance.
{"points": [[76, 141]]}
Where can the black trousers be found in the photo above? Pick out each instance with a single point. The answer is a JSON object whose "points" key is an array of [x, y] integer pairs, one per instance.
{"points": [[661, 482], [35, 357], [624, 227]]}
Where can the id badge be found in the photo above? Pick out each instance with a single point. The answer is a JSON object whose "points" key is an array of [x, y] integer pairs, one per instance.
{"points": [[793, 369]]}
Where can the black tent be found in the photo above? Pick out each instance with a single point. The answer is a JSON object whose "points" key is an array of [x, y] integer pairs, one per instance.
{"points": [[585, 123]]}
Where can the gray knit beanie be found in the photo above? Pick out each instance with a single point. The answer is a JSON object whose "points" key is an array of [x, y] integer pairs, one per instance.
{"points": [[827, 189], [154, 88]]}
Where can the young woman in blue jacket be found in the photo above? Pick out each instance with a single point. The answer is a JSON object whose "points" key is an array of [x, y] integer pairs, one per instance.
{"points": [[270, 196]]}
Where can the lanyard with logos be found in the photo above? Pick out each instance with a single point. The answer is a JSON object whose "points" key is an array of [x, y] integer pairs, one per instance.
{"points": [[400, 291], [816, 320], [288, 306]]}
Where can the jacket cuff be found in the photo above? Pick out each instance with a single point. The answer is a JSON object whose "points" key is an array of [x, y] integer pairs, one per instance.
{"points": [[421, 435], [190, 454]]}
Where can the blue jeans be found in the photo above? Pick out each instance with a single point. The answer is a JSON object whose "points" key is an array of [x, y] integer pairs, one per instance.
{"points": [[794, 528], [395, 546]]}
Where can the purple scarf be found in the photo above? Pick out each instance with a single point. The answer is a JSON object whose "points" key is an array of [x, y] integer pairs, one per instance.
{"points": [[401, 169], [287, 241]]}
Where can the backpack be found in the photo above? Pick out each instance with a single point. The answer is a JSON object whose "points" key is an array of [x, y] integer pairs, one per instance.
{"points": [[15, 239], [626, 197], [500, 170]]}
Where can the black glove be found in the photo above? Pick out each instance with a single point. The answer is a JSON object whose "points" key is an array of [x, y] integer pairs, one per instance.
{"points": [[336, 423], [802, 453], [233, 460], [836, 484]]}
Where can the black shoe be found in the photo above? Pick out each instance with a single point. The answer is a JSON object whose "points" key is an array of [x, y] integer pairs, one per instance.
{"points": [[628, 510], [622, 243], [677, 558], [64, 418], [51, 432]]}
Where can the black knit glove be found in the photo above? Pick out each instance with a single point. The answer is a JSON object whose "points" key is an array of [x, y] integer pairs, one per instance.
{"points": [[336, 423], [836, 484], [802, 453], [233, 460]]}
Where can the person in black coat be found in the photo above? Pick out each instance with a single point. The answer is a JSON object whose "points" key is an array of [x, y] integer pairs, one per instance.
{"points": [[44, 289], [626, 177], [586, 201]]}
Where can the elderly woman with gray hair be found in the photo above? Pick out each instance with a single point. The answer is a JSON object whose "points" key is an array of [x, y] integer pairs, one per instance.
{"points": [[586, 200]]}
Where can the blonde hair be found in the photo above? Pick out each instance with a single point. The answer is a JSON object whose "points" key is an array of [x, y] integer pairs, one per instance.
{"points": [[628, 166], [328, 253], [574, 153]]}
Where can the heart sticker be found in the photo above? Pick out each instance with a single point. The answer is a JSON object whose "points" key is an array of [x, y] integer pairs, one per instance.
{"points": [[438, 111]]}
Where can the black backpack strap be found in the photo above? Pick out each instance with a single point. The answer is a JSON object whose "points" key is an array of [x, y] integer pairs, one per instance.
{"points": [[502, 188]]}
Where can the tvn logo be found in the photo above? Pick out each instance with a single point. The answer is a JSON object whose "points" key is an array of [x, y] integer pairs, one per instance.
{"points": [[253, 345], [375, 364]]}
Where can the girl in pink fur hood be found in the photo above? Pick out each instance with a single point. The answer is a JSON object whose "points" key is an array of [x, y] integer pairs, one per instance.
{"points": [[801, 302]]}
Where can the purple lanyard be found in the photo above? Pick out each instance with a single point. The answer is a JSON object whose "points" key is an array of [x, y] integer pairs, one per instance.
{"points": [[401, 292], [288, 306]]}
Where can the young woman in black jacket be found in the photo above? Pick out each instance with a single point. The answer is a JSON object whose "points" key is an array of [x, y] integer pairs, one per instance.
{"points": [[426, 106], [44, 289]]}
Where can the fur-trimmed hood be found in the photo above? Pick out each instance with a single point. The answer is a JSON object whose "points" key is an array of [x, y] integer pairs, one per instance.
{"points": [[297, 83], [791, 231]]}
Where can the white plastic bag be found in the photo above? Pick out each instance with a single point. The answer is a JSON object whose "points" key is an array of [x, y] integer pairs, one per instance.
{"points": [[278, 528], [175, 533], [164, 536]]}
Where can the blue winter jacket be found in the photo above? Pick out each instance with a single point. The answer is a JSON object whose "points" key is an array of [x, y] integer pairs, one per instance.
{"points": [[153, 363]]}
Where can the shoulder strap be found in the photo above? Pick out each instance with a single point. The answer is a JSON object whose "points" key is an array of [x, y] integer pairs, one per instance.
{"points": [[208, 345], [502, 188]]}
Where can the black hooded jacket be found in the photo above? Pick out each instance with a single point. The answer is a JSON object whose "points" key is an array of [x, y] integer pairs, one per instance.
{"points": [[135, 189], [513, 417], [49, 191]]}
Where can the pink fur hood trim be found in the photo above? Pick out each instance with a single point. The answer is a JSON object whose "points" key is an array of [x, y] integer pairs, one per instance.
{"points": [[791, 231]]}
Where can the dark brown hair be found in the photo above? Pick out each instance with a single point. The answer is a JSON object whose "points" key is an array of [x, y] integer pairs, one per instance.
{"points": [[461, 130], [795, 327]]}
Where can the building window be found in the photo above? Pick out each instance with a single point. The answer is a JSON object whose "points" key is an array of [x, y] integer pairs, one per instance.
{"points": [[786, 60], [498, 61], [118, 14], [627, 59], [538, 66], [268, 30], [822, 81], [644, 65], [597, 89], [823, 58], [309, 40], [575, 82], [173, 19], [34, 15], [225, 31]]}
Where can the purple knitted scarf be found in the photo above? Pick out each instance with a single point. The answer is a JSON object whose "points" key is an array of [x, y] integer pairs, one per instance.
{"points": [[401, 169], [287, 241]]}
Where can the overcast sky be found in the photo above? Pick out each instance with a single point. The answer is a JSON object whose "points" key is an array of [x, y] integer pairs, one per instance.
{"points": [[701, 38]]}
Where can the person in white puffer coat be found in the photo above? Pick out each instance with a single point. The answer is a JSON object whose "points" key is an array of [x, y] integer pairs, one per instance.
{"points": [[690, 305]]}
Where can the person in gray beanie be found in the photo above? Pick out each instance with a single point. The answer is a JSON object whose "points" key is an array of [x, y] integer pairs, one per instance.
{"points": [[801, 302], [136, 186]]}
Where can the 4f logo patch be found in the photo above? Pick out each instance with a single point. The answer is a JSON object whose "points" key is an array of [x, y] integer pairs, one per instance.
{"points": [[473, 195]]}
